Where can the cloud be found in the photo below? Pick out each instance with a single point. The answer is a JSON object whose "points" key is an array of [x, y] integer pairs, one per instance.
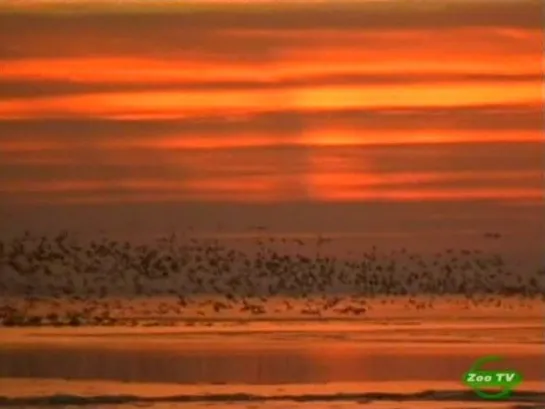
{"points": [[339, 15], [205, 171], [178, 44], [179, 104], [245, 195], [42, 88], [230, 103], [278, 123]]}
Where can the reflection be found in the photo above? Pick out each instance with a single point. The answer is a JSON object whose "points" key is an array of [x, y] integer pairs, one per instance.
{"points": [[260, 366]]}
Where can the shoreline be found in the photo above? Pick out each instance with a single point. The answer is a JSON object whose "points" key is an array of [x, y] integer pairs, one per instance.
{"points": [[428, 336]]}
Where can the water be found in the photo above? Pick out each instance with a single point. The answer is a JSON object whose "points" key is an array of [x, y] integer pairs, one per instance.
{"points": [[345, 365], [261, 366]]}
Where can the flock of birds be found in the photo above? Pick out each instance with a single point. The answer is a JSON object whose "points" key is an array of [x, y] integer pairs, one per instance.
{"points": [[209, 277]]}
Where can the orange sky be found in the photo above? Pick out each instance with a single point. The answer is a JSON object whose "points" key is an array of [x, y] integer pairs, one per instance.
{"points": [[261, 105]]}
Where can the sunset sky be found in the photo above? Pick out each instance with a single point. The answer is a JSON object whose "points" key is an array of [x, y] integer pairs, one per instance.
{"points": [[354, 114]]}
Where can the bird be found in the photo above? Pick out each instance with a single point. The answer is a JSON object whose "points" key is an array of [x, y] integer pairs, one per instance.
{"points": [[184, 277]]}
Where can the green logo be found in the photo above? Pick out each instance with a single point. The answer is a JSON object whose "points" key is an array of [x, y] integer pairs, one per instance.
{"points": [[491, 384]]}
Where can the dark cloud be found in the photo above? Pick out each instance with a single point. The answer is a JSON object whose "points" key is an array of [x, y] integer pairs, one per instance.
{"points": [[283, 190], [338, 15], [229, 164], [280, 123], [42, 88], [205, 32]]}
